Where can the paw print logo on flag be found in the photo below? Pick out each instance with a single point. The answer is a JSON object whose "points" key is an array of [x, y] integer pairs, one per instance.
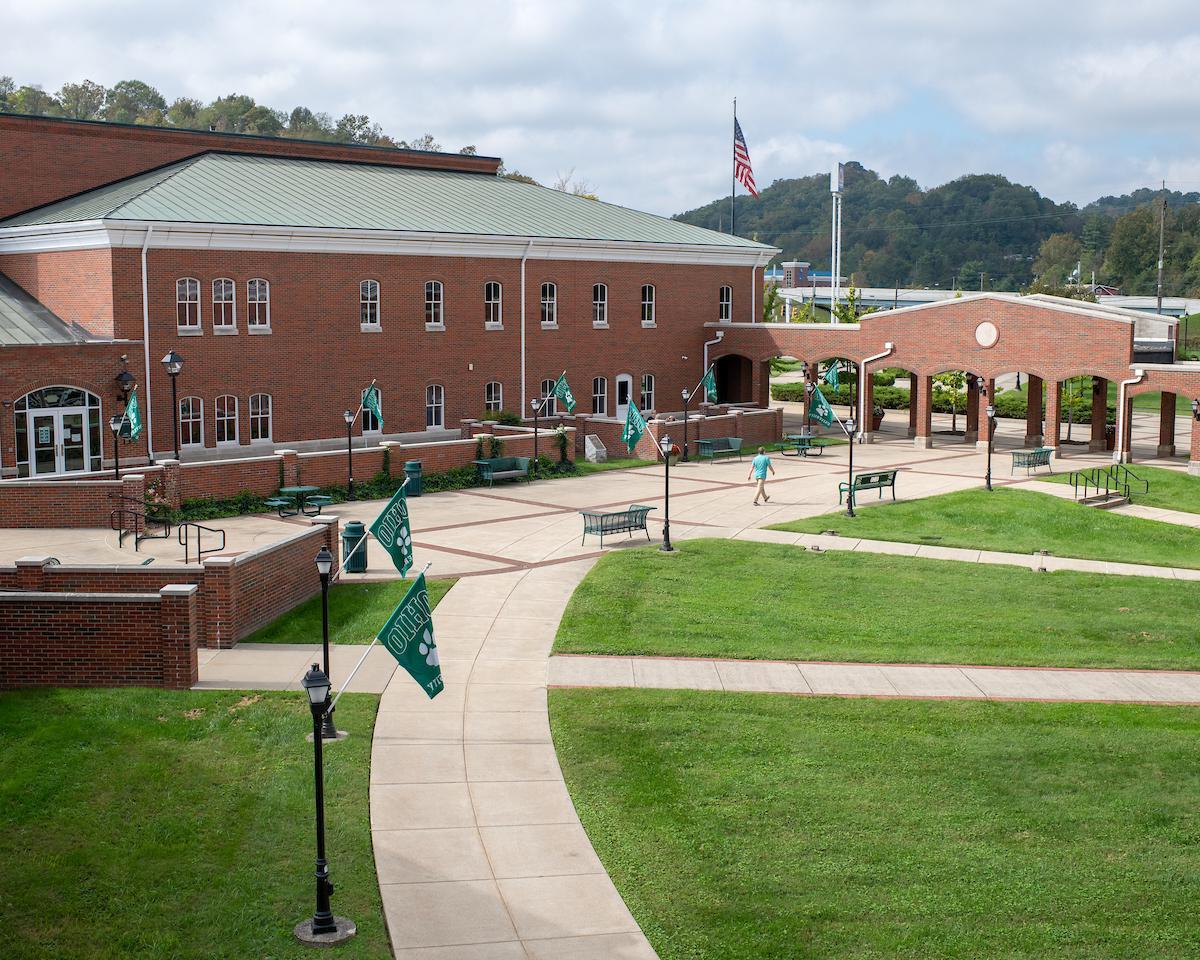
{"points": [[429, 650]]}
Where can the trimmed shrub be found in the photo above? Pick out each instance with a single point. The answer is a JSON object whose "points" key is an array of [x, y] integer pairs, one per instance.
{"points": [[503, 417]]}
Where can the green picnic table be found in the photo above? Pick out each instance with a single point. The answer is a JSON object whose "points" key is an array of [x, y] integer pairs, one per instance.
{"points": [[803, 443], [297, 500]]}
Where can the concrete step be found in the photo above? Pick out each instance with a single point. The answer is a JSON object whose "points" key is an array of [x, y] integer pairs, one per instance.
{"points": [[1105, 501]]}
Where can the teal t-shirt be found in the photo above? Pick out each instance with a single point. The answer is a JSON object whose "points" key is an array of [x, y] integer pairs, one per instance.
{"points": [[760, 464]]}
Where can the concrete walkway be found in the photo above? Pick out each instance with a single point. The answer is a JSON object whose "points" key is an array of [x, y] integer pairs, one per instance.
{"points": [[919, 681]]}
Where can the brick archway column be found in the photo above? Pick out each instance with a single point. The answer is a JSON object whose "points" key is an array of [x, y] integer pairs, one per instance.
{"points": [[924, 435], [1166, 425], [1125, 441], [914, 388], [1053, 416], [981, 421], [974, 416], [810, 374], [1097, 442], [1194, 455], [867, 406], [1033, 413]]}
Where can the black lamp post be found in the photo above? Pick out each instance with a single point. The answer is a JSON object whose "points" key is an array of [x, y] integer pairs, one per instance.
{"points": [[991, 417], [324, 567], [324, 927], [174, 363], [114, 424], [348, 416], [664, 444], [809, 389], [850, 427], [686, 397], [536, 405]]}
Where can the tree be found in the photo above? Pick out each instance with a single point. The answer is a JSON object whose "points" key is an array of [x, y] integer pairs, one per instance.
{"points": [[847, 310], [82, 101], [969, 275], [1071, 291], [132, 101], [184, 112], [1057, 258], [33, 101], [516, 175], [950, 385], [7, 88], [426, 143], [772, 304]]}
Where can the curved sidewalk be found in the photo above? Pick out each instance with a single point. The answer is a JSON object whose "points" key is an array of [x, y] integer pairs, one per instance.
{"points": [[479, 852]]}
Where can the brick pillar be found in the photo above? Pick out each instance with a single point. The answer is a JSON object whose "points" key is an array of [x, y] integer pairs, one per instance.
{"points": [[133, 497], [1166, 425], [913, 390], [739, 428], [924, 435], [30, 573], [981, 418], [1125, 441], [1097, 442], [778, 423], [219, 601], [291, 467], [867, 406], [1033, 413], [974, 415], [581, 432], [1194, 454], [1053, 416], [171, 486], [179, 622], [332, 537]]}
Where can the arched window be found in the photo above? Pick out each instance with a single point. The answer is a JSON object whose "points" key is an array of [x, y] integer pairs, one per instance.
{"points": [[726, 304], [435, 407], [549, 304], [647, 400], [191, 422], [600, 305], [493, 396], [224, 300], [187, 303], [225, 412], [370, 422], [258, 305], [368, 303], [600, 396], [549, 400], [647, 305], [493, 304], [434, 306], [260, 416]]}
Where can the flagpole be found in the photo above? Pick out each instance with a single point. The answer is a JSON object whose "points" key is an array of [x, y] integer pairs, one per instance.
{"points": [[363, 658], [700, 382], [346, 560], [733, 176]]}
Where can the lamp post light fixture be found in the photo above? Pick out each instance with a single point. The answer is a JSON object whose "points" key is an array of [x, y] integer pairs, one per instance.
{"points": [[536, 405], [809, 389], [114, 424], [991, 418], [850, 425], [686, 397], [349, 416], [174, 363], [125, 381], [323, 928], [324, 561], [664, 444]]}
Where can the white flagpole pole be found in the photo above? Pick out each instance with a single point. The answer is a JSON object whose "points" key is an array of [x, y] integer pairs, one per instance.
{"points": [[363, 658], [346, 560]]}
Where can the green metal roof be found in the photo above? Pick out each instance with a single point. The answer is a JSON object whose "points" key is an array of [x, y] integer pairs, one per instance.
{"points": [[25, 321], [280, 191]]}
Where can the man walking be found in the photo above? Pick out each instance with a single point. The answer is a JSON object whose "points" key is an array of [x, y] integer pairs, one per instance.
{"points": [[758, 471]]}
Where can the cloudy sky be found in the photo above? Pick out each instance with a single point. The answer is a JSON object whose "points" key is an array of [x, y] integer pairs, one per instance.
{"points": [[1077, 99]]}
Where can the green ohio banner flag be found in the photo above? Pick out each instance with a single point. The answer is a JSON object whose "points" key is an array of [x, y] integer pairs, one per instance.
{"points": [[563, 392], [820, 410], [371, 404], [635, 426], [710, 386], [831, 376], [391, 530], [408, 636], [133, 417]]}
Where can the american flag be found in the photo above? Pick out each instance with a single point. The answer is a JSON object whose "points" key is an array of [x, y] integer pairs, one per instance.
{"points": [[741, 160]]}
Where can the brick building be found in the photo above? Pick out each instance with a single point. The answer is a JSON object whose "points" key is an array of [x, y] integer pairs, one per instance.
{"points": [[289, 275]]}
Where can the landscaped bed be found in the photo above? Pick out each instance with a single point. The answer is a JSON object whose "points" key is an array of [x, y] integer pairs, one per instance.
{"points": [[765, 826], [158, 824], [730, 598], [1014, 521]]}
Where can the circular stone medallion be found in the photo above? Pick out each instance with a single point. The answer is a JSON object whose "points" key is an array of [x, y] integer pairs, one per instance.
{"points": [[986, 334]]}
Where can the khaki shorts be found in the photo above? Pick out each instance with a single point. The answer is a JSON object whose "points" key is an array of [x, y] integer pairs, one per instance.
{"points": [[760, 488]]}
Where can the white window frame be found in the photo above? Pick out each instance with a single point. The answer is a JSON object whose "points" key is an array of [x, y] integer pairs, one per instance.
{"points": [[599, 304], [600, 396], [493, 399], [195, 406], [187, 296], [648, 307], [435, 305], [549, 304], [377, 427], [549, 400], [368, 304], [497, 303], [647, 391], [256, 419], [225, 305], [435, 399], [725, 304], [219, 419], [255, 309]]}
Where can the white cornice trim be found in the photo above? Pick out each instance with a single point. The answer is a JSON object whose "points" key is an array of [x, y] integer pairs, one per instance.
{"points": [[216, 236]]}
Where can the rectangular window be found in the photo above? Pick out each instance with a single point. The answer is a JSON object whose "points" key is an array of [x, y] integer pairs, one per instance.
{"points": [[191, 422], [258, 305], [549, 304], [647, 305], [600, 305], [368, 303], [435, 407], [260, 416], [647, 400], [493, 304], [726, 304], [370, 422], [493, 396], [226, 419], [187, 304], [434, 304], [224, 305], [549, 400], [600, 396]]}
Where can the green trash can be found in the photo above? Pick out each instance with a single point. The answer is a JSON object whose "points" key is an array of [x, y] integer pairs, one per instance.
{"points": [[412, 470], [351, 536]]}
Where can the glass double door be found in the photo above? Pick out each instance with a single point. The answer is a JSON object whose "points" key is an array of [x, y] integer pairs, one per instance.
{"points": [[58, 441]]}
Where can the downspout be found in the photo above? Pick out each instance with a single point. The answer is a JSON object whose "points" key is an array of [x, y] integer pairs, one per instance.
{"points": [[524, 257], [146, 349], [862, 386], [1120, 455], [708, 343]]}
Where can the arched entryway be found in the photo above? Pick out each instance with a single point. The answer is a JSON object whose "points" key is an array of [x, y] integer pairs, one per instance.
{"points": [[735, 378], [57, 432]]}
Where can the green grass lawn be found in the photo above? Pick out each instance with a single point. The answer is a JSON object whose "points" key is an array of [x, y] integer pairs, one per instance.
{"points": [[728, 598], [585, 468], [160, 824], [1169, 489], [1015, 521], [356, 612], [763, 827]]}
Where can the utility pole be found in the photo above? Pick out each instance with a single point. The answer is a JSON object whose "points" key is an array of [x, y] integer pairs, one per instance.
{"points": [[1162, 220], [981, 283]]}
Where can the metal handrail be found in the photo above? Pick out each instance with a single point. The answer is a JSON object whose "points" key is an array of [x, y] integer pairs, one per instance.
{"points": [[184, 539]]}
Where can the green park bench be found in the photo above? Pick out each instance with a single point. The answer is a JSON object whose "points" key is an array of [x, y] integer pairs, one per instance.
{"points": [[804, 446], [617, 521], [1031, 459], [876, 480], [502, 468], [720, 447]]}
